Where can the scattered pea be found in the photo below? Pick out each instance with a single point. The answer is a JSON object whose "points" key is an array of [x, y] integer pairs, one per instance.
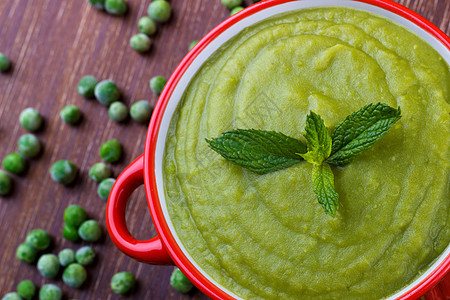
{"points": [[157, 84], [70, 114], [141, 111], [5, 63], [104, 188], [107, 92], [116, 7], [14, 163], [66, 257], [70, 233], [180, 282], [99, 172], [12, 296], [48, 265], [122, 282], [26, 289], [98, 4], [230, 4], [86, 86], [90, 231], [26, 253], [235, 10], [39, 239], [74, 275], [159, 11], [74, 215], [118, 111], [50, 292], [192, 44], [29, 145], [85, 256], [5, 183], [146, 26], [140, 42], [63, 171], [111, 151], [30, 119]]}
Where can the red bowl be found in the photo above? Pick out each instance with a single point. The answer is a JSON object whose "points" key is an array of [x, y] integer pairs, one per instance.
{"points": [[146, 169]]}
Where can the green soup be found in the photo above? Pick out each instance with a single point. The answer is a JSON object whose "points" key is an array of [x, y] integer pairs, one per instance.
{"points": [[265, 236]]}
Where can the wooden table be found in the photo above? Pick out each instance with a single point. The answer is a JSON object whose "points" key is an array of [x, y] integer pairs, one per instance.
{"points": [[52, 45]]}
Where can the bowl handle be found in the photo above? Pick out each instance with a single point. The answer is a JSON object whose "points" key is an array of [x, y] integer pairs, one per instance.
{"points": [[150, 251]]}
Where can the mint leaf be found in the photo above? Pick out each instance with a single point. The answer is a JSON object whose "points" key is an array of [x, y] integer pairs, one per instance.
{"points": [[258, 150], [318, 139], [360, 130], [323, 186]]}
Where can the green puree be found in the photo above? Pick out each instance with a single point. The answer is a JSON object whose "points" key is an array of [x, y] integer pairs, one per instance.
{"points": [[265, 236]]}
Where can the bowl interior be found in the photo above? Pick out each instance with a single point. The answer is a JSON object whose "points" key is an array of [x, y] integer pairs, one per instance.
{"points": [[225, 32]]}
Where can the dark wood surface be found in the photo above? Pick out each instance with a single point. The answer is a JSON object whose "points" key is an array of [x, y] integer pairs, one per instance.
{"points": [[52, 44]]}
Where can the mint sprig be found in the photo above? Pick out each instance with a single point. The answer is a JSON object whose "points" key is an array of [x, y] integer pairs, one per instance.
{"points": [[267, 151]]}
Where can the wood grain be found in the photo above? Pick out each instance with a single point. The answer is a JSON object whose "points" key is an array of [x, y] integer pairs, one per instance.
{"points": [[52, 44]]}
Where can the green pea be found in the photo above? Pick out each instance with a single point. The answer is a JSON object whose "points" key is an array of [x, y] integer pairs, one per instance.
{"points": [[180, 282], [85, 256], [26, 289], [235, 10], [140, 42], [74, 215], [230, 4], [66, 257], [146, 26], [141, 111], [104, 188], [192, 44], [157, 84], [29, 145], [74, 275], [98, 4], [111, 151], [26, 253], [107, 92], [70, 114], [50, 292], [30, 119], [122, 282], [116, 7], [14, 163], [64, 172], [5, 63], [5, 183], [86, 86], [99, 172], [48, 265], [118, 111], [39, 239], [159, 11], [70, 233], [90, 231], [12, 296]]}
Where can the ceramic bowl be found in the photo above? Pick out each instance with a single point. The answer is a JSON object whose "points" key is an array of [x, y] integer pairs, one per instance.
{"points": [[166, 248]]}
